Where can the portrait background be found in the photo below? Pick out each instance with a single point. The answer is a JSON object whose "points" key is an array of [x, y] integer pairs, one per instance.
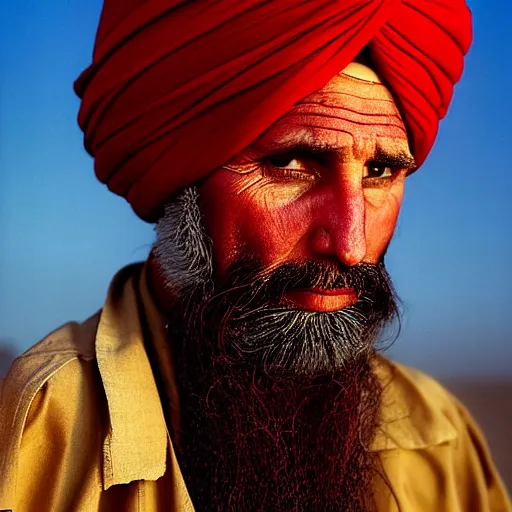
{"points": [[63, 235]]}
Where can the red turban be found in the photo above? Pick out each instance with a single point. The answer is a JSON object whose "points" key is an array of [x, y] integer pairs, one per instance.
{"points": [[178, 87]]}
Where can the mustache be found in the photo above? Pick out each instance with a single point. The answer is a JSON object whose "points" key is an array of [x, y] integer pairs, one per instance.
{"points": [[250, 281], [247, 321]]}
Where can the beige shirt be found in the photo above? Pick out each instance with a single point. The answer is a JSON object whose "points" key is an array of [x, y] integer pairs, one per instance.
{"points": [[82, 424]]}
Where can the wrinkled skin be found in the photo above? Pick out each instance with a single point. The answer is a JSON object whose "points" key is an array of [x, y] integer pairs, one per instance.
{"points": [[325, 182]]}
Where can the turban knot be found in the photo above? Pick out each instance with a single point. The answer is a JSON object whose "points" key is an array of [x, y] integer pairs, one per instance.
{"points": [[178, 87]]}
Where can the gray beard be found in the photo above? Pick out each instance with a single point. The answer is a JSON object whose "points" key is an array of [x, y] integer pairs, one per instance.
{"points": [[278, 340]]}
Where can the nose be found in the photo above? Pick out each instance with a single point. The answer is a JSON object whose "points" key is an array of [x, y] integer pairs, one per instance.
{"points": [[340, 230]]}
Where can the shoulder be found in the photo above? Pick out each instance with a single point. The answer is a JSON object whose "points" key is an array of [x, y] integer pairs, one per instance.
{"points": [[416, 410], [45, 391], [72, 342], [434, 454]]}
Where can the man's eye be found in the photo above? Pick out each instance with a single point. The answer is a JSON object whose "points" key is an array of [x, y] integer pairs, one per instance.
{"points": [[286, 162], [380, 170], [288, 167]]}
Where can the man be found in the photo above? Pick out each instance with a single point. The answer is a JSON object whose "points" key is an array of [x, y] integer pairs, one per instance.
{"points": [[237, 369]]}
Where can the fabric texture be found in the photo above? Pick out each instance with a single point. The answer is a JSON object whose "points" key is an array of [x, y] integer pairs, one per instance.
{"points": [[178, 87], [83, 428]]}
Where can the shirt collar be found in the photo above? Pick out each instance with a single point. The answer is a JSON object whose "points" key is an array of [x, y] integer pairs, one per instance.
{"points": [[137, 443], [135, 447]]}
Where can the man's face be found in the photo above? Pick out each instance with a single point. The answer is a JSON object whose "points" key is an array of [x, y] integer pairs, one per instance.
{"points": [[325, 183], [282, 254]]}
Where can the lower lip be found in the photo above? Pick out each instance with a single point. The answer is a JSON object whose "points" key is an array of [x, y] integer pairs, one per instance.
{"points": [[322, 300]]}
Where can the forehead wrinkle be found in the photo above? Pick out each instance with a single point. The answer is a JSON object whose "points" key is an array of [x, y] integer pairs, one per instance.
{"points": [[359, 97], [321, 95], [376, 107], [285, 137], [359, 111], [353, 85], [325, 105], [317, 107], [308, 135], [342, 150], [362, 132], [358, 124]]}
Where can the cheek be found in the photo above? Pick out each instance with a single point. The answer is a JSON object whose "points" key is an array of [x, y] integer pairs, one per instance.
{"points": [[246, 215], [380, 219], [220, 208], [272, 221], [277, 232]]}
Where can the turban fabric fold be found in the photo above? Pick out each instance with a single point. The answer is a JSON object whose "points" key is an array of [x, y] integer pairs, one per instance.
{"points": [[178, 87]]}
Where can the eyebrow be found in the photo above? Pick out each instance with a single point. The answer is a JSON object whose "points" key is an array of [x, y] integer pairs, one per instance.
{"points": [[401, 159], [313, 149]]}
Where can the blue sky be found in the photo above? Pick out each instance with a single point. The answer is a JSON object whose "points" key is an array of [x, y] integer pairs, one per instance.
{"points": [[63, 235]]}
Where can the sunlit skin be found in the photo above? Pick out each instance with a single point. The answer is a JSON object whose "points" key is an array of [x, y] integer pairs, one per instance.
{"points": [[325, 182]]}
